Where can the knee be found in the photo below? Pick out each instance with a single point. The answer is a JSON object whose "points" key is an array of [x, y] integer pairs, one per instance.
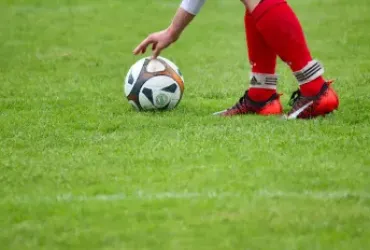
{"points": [[250, 4]]}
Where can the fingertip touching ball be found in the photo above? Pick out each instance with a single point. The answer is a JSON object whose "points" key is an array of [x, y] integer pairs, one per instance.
{"points": [[154, 84]]}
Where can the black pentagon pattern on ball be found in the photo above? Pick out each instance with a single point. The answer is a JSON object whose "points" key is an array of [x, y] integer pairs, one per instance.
{"points": [[149, 94], [139, 83], [171, 89], [130, 79]]}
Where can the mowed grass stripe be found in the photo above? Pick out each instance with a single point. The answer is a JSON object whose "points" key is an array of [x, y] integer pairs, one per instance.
{"points": [[142, 196], [81, 170]]}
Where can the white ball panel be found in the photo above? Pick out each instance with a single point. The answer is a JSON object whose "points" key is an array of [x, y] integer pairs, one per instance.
{"points": [[137, 67], [134, 72], [128, 87], [155, 66], [156, 98], [145, 103], [173, 66], [160, 97], [159, 82]]}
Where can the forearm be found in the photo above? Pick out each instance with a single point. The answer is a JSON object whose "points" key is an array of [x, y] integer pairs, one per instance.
{"points": [[181, 20], [184, 15], [162, 39]]}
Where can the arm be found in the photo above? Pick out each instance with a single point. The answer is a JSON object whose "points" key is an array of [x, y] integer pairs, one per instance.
{"points": [[162, 39], [181, 20]]}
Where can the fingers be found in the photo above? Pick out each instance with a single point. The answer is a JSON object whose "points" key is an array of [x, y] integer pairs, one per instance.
{"points": [[158, 42], [157, 50], [141, 48]]}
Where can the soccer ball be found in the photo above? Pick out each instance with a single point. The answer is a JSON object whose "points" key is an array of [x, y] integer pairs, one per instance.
{"points": [[154, 84]]}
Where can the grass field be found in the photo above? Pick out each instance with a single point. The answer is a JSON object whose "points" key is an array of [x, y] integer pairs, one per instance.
{"points": [[81, 170]]}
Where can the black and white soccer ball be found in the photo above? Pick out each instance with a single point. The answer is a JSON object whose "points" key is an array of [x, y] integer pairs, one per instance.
{"points": [[154, 84]]}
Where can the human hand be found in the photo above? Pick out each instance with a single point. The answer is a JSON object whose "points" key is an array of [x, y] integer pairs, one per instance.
{"points": [[159, 41]]}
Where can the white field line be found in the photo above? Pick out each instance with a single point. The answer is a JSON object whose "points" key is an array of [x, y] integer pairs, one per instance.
{"points": [[315, 195], [121, 197], [142, 196]]}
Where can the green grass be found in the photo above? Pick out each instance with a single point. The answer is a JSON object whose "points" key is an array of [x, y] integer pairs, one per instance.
{"points": [[81, 170]]}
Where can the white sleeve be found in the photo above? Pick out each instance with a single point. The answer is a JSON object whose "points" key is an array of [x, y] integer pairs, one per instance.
{"points": [[192, 6]]}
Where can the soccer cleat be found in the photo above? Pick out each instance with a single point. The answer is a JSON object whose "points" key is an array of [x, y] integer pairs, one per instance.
{"points": [[247, 106], [307, 107]]}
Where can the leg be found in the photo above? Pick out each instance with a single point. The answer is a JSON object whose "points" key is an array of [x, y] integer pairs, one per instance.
{"points": [[282, 31], [263, 63], [250, 4], [261, 98]]}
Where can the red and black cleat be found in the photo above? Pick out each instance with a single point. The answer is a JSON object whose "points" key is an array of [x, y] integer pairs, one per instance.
{"points": [[247, 106], [308, 107]]}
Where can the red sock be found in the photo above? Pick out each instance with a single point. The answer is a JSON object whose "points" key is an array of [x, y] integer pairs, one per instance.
{"points": [[313, 87], [282, 31], [263, 63], [260, 95]]}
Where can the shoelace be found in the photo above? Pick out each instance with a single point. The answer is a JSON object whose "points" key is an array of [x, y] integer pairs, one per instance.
{"points": [[241, 101], [295, 97], [297, 94]]}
